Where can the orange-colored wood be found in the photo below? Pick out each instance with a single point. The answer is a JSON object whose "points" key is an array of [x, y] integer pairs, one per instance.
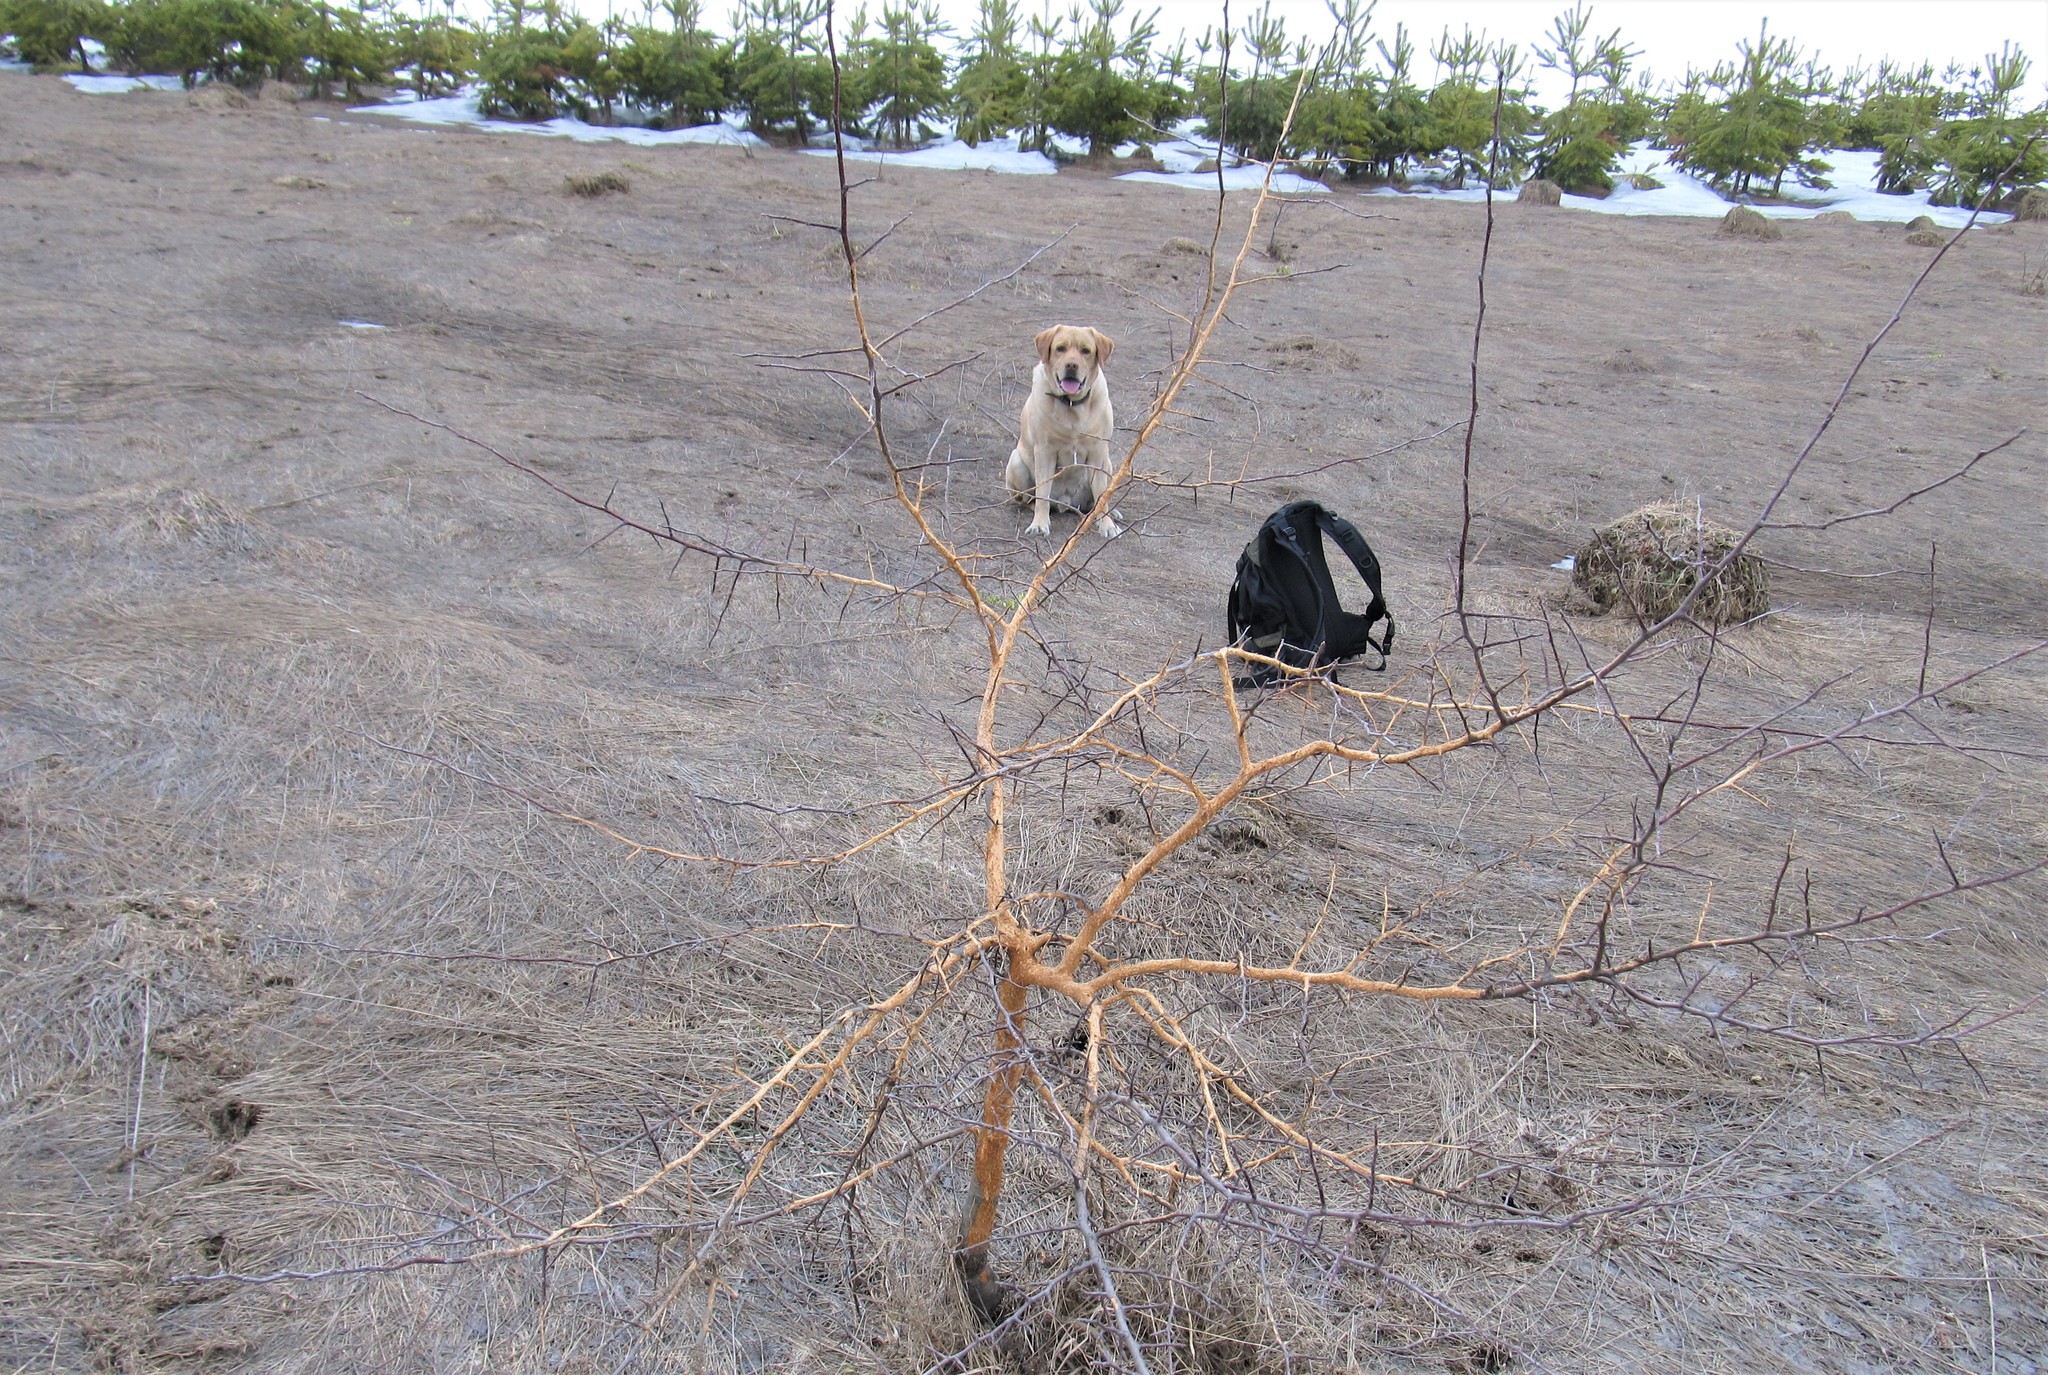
{"points": [[991, 1146]]}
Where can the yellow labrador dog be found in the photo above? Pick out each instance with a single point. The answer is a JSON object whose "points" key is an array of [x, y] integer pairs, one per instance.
{"points": [[1066, 428]]}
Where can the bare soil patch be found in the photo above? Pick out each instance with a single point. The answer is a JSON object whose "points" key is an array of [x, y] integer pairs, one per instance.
{"points": [[298, 978]]}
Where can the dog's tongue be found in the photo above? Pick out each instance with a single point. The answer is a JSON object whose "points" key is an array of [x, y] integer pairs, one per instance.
{"points": [[1070, 385]]}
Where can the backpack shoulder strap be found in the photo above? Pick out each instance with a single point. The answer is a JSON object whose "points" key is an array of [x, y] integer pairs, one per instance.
{"points": [[1355, 548], [1368, 565]]}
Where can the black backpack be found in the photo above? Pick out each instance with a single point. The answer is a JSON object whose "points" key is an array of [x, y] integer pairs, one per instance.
{"points": [[1284, 604]]}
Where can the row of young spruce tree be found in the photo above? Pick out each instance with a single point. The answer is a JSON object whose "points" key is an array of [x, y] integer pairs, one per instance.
{"points": [[1094, 74]]}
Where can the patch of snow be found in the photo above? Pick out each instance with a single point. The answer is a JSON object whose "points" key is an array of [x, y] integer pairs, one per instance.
{"points": [[117, 85], [359, 324], [1185, 154], [1247, 178], [464, 109], [994, 155], [1567, 563], [1854, 189], [8, 64], [1853, 174], [1070, 148], [1436, 193], [1173, 154], [1003, 154], [1184, 151]]}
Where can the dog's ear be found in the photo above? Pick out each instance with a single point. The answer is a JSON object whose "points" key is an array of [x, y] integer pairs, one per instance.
{"points": [[1103, 344], [1044, 342]]}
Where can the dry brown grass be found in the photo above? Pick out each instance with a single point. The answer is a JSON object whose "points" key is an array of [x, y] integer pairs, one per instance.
{"points": [[335, 936], [295, 692], [1741, 222], [1649, 562], [221, 97], [1628, 360], [594, 185]]}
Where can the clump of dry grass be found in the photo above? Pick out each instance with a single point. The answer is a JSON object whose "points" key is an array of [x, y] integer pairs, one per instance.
{"points": [[219, 96], [1919, 223], [1741, 222], [493, 221], [1540, 191], [1627, 360], [1834, 217], [1927, 238], [1650, 560], [1183, 245], [593, 185], [2032, 204], [188, 513], [182, 516]]}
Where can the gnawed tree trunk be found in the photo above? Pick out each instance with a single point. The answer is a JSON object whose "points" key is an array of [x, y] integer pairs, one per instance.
{"points": [[991, 1146]]}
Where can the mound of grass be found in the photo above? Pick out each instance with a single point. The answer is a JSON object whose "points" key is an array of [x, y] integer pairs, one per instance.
{"points": [[189, 515], [596, 184], [1540, 191], [1741, 222], [1927, 238], [1627, 360], [1652, 558], [220, 96], [2032, 204], [1920, 224], [494, 221]]}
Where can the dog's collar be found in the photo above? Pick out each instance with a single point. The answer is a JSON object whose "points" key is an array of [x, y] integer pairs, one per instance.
{"points": [[1076, 399]]}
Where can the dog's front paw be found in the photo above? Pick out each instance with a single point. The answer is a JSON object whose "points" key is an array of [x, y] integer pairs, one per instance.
{"points": [[1039, 527], [1110, 529]]}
